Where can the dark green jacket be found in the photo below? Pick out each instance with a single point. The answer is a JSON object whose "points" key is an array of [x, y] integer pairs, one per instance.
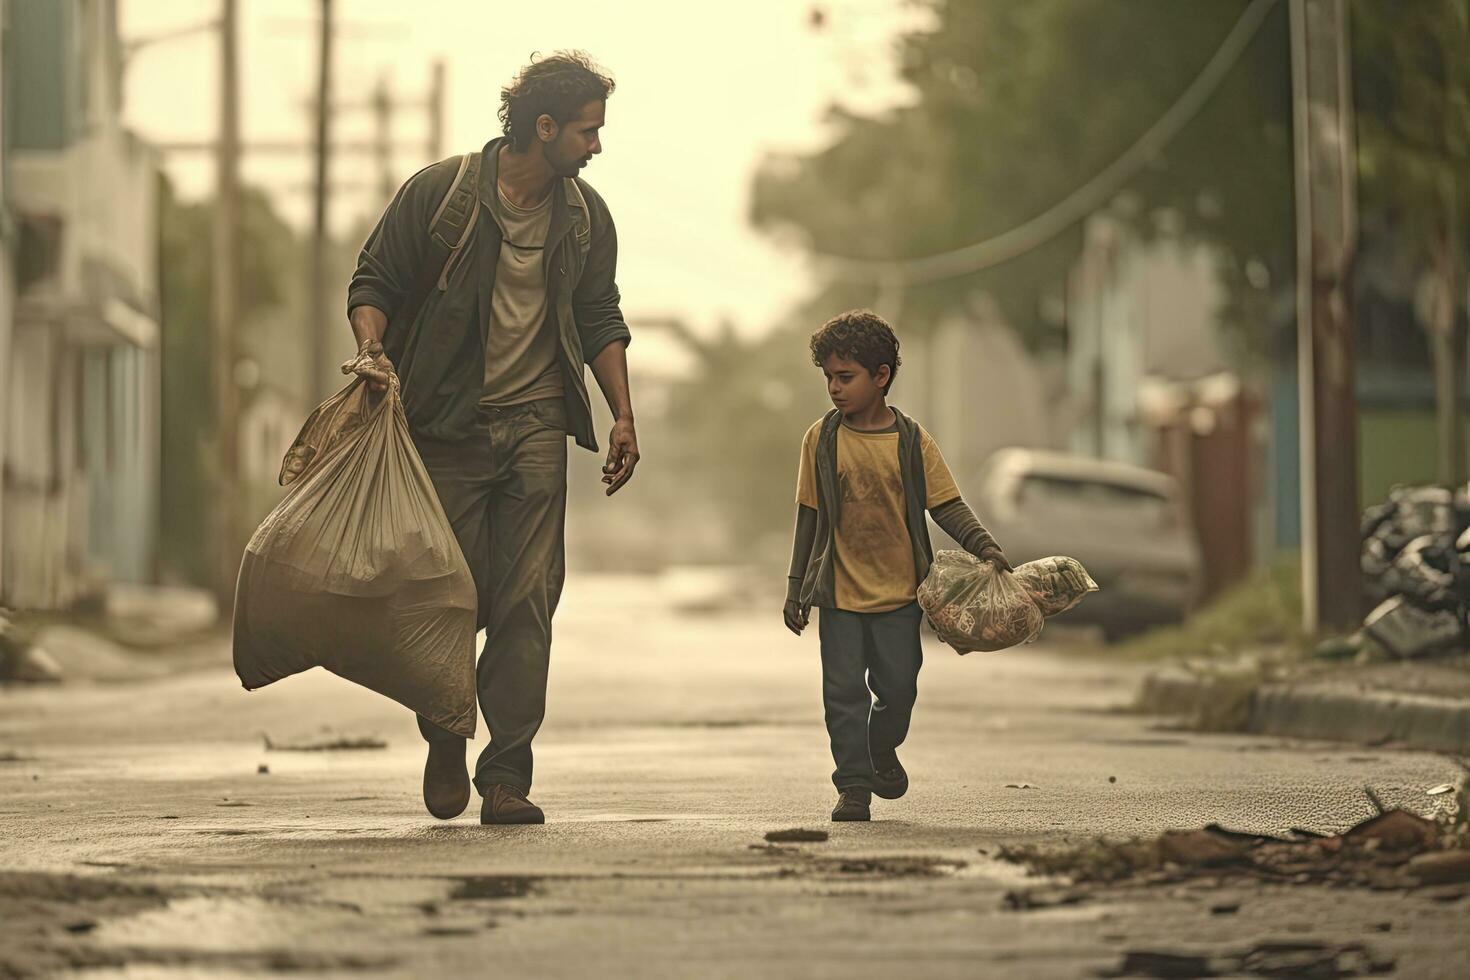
{"points": [[819, 585], [440, 353]]}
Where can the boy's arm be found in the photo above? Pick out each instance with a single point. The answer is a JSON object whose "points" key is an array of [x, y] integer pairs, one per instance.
{"points": [[956, 519], [802, 540]]}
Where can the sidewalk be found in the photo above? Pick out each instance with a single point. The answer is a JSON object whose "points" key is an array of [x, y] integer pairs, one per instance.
{"points": [[1418, 704]]}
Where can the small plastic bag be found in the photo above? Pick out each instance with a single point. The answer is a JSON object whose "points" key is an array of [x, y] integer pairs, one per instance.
{"points": [[1056, 584], [357, 569], [972, 605]]}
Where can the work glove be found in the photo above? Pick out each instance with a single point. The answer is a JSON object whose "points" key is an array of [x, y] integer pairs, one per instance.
{"points": [[996, 557]]}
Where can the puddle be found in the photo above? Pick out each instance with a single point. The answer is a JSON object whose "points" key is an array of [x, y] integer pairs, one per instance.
{"points": [[479, 888], [220, 924], [639, 817]]}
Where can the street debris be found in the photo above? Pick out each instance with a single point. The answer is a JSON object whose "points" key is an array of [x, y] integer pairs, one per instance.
{"points": [[1394, 849], [1440, 790], [338, 743], [1320, 961], [22, 661], [262, 770], [1416, 569], [796, 835], [1019, 786]]}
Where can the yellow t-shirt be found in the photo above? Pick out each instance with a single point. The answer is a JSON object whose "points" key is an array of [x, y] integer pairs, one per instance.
{"points": [[875, 559]]}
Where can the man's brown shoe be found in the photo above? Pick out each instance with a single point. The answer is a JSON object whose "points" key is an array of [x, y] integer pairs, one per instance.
{"points": [[446, 782], [506, 804]]}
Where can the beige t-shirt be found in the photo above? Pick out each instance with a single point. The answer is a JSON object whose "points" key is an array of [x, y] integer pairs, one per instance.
{"points": [[521, 363], [875, 559]]}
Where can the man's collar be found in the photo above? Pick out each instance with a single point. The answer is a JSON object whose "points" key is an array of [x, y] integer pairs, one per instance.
{"points": [[561, 220]]}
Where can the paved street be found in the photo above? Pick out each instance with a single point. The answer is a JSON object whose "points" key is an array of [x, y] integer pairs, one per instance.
{"points": [[673, 744]]}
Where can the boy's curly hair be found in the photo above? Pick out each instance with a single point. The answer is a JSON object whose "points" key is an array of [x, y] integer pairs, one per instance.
{"points": [[862, 336], [557, 86]]}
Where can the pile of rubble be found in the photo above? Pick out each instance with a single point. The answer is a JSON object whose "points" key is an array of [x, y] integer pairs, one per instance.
{"points": [[1393, 850], [1416, 571]]}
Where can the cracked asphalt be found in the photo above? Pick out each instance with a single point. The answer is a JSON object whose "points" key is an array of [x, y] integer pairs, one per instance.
{"points": [[139, 836]]}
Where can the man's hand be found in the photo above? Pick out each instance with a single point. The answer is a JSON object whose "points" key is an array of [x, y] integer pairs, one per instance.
{"points": [[372, 365], [622, 455], [996, 557], [795, 615]]}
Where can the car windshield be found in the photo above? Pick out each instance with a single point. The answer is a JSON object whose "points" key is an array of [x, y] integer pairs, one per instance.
{"points": [[1094, 501]]}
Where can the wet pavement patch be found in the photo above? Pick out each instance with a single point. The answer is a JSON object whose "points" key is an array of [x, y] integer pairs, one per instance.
{"points": [[796, 835], [892, 867], [479, 888], [1305, 960], [326, 744]]}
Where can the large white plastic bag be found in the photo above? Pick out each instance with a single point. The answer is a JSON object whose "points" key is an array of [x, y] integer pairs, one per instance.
{"points": [[1056, 584], [357, 569], [974, 606]]}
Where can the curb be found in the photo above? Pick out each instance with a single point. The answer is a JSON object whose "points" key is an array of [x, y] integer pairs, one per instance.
{"points": [[1348, 714], [1322, 710]]}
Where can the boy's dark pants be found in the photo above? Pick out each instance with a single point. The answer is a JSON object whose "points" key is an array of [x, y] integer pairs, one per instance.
{"points": [[867, 656], [505, 493]]}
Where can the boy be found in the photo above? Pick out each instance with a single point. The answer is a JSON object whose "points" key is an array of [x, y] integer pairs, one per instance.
{"points": [[861, 548]]}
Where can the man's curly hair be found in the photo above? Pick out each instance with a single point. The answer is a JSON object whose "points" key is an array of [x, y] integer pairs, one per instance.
{"points": [[862, 336], [557, 86]]}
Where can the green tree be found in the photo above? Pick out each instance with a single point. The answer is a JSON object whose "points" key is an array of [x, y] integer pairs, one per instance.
{"points": [[1019, 102], [267, 265], [1411, 68]]}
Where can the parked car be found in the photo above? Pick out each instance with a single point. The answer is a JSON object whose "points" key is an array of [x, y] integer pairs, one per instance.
{"points": [[1128, 525]]}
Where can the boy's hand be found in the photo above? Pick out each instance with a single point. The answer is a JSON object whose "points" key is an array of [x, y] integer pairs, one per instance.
{"points": [[996, 557], [795, 615]]}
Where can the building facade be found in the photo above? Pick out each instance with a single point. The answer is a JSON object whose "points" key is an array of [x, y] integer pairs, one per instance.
{"points": [[81, 399]]}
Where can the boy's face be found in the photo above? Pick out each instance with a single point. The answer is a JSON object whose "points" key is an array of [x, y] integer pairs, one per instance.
{"points": [[852, 387]]}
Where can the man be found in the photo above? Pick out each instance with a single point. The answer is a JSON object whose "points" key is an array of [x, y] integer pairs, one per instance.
{"points": [[488, 336]]}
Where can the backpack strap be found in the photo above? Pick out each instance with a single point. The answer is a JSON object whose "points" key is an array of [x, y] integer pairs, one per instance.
{"points": [[449, 229]]}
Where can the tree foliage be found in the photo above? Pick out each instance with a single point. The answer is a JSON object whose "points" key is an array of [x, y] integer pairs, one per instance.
{"points": [[1017, 103], [268, 262]]}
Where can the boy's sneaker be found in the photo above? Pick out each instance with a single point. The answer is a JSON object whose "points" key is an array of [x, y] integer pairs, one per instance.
{"points": [[890, 781], [852, 804]]}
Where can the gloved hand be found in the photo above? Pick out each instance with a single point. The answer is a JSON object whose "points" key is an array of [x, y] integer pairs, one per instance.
{"points": [[996, 557], [796, 616]]}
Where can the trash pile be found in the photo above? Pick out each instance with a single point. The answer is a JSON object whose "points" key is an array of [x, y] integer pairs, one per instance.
{"points": [[973, 605], [1416, 571], [1392, 850]]}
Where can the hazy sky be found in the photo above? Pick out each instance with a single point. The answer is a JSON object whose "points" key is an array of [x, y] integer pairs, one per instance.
{"points": [[704, 90]]}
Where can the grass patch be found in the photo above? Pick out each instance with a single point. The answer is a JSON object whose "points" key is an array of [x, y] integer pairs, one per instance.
{"points": [[1263, 612]]}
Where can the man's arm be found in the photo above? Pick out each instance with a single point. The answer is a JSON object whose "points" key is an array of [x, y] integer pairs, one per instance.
{"points": [[610, 368], [802, 540], [956, 519], [387, 267]]}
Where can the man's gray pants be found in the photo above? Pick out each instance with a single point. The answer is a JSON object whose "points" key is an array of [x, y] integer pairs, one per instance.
{"points": [[870, 679], [505, 493]]}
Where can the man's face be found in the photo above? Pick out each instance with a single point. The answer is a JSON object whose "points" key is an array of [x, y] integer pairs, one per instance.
{"points": [[577, 141], [852, 387]]}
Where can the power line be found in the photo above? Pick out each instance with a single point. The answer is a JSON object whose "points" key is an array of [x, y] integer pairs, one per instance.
{"points": [[1081, 202]]}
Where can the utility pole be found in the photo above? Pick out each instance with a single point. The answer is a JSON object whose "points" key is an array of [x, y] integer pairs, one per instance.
{"points": [[383, 130], [316, 288], [1326, 231], [225, 313], [435, 107]]}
